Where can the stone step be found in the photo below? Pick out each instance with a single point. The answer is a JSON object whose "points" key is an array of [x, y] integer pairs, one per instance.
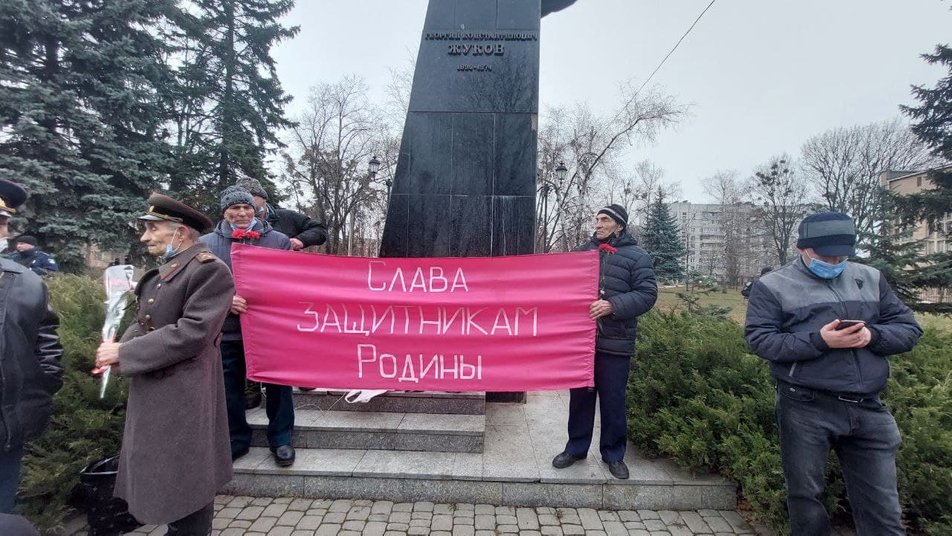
{"points": [[490, 478], [395, 402], [514, 468], [317, 429]]}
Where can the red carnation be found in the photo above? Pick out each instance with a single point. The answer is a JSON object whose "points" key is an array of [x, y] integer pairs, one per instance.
{"points": [[241, 234], [608, 248]]}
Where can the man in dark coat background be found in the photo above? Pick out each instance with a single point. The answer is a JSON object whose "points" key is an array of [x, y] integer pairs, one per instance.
{"points": [[30, 371], [175, 453], [300, 228], [239, 224], [627, 290]]}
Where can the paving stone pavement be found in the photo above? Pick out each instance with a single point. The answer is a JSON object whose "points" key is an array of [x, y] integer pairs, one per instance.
{"points": [[256, 516]]}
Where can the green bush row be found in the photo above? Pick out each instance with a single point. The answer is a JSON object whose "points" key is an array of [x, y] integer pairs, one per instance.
{"points": [[702, 399], [697, 394]]}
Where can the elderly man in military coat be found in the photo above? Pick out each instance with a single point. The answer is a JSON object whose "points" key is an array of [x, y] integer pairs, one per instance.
{"points": [[175, 450]]}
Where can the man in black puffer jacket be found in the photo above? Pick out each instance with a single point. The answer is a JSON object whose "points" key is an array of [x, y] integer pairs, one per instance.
{"points": [[627, 290]]}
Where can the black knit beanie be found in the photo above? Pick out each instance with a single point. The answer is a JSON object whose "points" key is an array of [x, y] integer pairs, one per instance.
{"points": [[617, 213]]}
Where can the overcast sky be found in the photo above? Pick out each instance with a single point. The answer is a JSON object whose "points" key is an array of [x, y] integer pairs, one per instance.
{"points": [[761, 76]]}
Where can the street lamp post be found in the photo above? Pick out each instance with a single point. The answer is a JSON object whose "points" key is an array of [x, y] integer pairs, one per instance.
{"points": [[372, 168], [545, 216], [545, 190]]}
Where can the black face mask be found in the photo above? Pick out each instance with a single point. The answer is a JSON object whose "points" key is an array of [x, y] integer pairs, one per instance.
{"points": [[29, 252]]}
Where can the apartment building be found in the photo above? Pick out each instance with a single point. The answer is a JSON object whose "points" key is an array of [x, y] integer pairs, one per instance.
{"points": [[935, 240], [704, 232]]}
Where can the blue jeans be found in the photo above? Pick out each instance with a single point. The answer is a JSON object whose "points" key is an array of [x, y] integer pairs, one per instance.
{"points": [[865, 438], [611, 387], [9, 478], [279, 406]]}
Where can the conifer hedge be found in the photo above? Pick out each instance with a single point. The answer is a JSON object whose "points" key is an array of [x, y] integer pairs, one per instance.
{"points": [[697, 394], [83, 428]]}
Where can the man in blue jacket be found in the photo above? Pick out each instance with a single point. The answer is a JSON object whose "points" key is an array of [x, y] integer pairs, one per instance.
{"points": [[239, 224], [627, 290], [827, 326]]}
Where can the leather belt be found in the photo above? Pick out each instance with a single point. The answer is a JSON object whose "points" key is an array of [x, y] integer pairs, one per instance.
{"points": [[852, 398]]}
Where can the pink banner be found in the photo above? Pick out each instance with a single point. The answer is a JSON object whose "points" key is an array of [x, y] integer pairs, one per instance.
{"points": [[435, 324]]}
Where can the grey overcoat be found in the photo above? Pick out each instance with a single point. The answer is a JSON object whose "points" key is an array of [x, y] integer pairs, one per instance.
{"points": [[175, 448]]}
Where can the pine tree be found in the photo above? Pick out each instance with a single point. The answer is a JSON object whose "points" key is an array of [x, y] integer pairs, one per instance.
{"points": [[81, 104], [934, 127], [230, 101], [893, 253], [662, 239]]}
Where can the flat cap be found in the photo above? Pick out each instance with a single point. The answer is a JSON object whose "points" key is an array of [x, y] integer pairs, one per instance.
{"points": [[164, 208], [27, 239], [252, 186], [11, 196], [831, 234]]}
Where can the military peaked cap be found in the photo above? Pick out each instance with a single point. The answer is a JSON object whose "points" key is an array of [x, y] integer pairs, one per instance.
{"points": [[164, 208], [11, 196]]}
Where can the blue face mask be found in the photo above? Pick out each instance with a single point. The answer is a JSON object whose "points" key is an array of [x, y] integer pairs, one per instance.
{"points": [[826, 270], [170, 251]]}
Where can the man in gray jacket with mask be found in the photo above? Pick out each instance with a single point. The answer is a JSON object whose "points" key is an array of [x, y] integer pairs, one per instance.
{"points": [[827, 326], [30, 371]]}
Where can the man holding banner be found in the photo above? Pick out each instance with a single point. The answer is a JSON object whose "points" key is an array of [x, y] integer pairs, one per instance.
{"points": [[240, 225], [627, 290]]}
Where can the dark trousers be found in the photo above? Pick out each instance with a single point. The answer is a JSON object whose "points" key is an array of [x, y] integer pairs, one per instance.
{"points": [[9, 478], [865, 438], [195, 524], [611, 385], [279, 406]]}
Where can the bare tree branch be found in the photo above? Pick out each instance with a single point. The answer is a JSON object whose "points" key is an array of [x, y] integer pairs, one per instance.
{"points": [[590, 146], [843, 166]]}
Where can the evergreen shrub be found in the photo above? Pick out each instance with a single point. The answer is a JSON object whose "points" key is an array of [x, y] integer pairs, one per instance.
{"points": [[697, 394], [920, 395], [83, 428]]}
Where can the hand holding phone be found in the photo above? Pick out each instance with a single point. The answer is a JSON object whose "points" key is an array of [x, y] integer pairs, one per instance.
{"points": [[848, 324], [844, 334]]}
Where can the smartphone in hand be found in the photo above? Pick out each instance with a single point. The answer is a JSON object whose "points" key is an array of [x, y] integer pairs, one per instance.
{"points": [[848, 324]]}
